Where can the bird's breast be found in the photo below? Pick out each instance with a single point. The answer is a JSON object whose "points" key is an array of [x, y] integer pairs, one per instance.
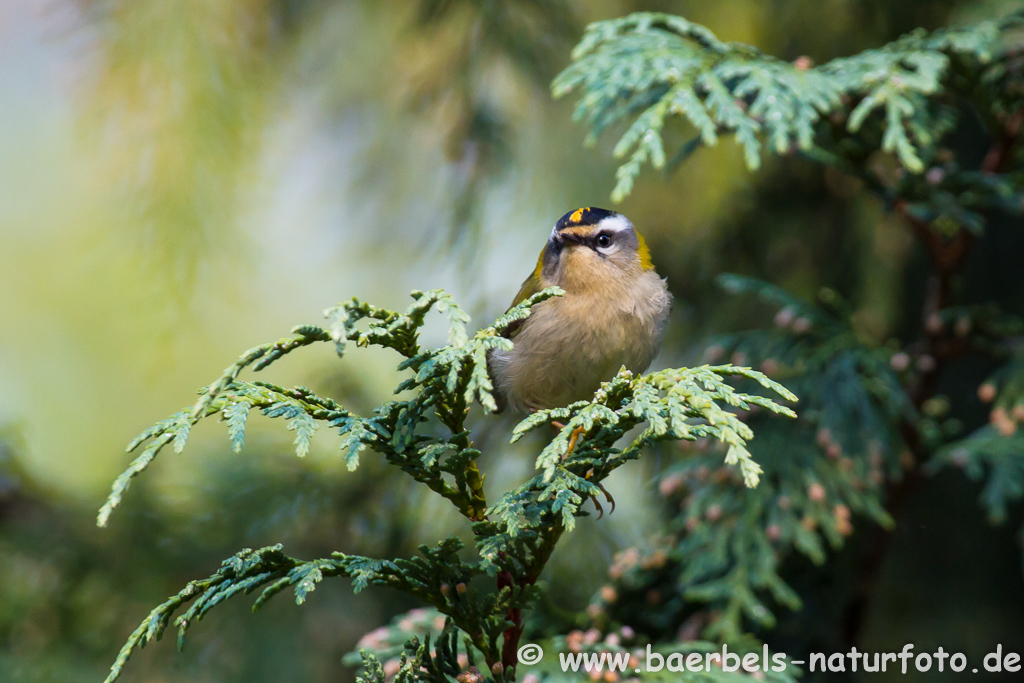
{"points": [[570, 344]]}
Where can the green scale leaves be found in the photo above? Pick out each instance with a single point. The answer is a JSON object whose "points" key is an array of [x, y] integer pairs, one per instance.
{"points": [[482, 596], [648, 68]]}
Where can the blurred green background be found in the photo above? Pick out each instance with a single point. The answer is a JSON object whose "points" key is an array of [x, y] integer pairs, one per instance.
{"points": [[181, 181]]}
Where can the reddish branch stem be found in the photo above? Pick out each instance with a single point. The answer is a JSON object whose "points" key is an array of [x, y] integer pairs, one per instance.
{"points": [[529, 576]]}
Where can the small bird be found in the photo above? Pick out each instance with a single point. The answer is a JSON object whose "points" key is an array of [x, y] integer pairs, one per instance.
{"points": [[613, 314]]}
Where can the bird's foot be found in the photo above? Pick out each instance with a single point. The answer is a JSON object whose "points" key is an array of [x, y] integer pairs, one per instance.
{"points": [[557, 427], [573, 438], [608, 497]]}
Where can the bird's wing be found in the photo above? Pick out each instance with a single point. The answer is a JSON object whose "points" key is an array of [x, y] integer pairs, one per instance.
{"points": [[531, 286]]}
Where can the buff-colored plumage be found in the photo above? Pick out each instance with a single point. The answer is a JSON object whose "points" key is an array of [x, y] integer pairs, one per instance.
{"points": [[613, 314]]}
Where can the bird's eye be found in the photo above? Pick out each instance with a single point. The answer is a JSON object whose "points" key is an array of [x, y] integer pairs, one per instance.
{"points": [[604, 241]]}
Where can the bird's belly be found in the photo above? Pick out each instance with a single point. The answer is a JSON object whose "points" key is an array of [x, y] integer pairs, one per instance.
{"points": [[563, 355]]}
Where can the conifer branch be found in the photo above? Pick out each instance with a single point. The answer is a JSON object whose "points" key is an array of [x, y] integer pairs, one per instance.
{"points": [[885, 117], [484, 598], [649, 69]]}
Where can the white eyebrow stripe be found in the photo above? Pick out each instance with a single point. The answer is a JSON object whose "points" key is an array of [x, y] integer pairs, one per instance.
{"points": [[616, 223]]}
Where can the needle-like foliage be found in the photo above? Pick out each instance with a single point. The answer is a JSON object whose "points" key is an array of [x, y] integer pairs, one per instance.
{"points": [[425, 436], [818, 472], [995, 453], [873, 422], [647, 69]]}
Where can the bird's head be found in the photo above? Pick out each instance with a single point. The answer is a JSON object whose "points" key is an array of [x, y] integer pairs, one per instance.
{"points": [[592, 243]]}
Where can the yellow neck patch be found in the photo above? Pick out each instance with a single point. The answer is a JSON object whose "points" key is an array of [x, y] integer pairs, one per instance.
{"points": [[539, 270], [643, 252]]}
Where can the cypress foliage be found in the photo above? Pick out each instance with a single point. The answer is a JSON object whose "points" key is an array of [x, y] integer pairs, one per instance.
{"points": [[872, 423], [482, 598]]}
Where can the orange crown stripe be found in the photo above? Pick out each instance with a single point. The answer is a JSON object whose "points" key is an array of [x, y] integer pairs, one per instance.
{"points": [[577, 215]]}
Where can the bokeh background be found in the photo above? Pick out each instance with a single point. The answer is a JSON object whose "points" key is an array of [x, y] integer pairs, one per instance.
{"points": [[180, 181]]}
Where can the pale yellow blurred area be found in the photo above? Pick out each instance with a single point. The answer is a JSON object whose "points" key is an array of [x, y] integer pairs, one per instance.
{"points": [[97, 339], [178, 184]]}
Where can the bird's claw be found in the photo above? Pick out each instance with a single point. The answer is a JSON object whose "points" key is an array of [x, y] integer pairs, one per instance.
{"points": [[607, 495], [573, 438]]}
